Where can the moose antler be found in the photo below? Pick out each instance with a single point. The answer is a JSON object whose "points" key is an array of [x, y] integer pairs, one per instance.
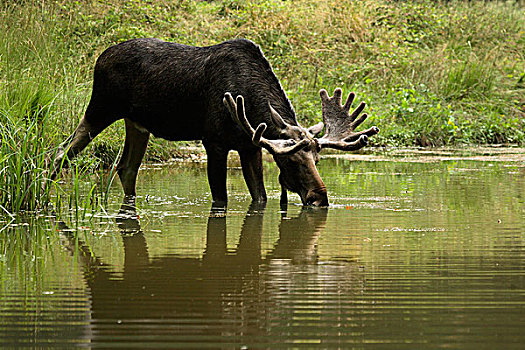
{"points": [[278, 147], [340, 123]]}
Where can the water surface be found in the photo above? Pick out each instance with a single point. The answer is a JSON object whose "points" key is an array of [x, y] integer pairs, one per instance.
{"points": [[412, 254]]}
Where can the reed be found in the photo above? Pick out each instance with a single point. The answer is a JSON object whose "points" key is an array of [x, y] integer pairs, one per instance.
{"points": [[24, 155]]}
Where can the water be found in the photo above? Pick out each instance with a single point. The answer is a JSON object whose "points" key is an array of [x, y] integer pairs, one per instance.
{"points": [[415, 252]]}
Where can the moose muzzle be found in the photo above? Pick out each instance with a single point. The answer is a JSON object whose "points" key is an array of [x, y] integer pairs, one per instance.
{"points": [[317, 197]]}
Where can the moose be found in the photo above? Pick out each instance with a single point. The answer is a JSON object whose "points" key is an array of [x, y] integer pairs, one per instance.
{"points": [[226, 95]]}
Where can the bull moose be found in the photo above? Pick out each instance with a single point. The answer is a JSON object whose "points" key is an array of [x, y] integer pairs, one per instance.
{"points": [[215, 94]]}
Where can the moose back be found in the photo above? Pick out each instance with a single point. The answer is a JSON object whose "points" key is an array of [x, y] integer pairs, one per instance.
{"points": [[226, 95]]}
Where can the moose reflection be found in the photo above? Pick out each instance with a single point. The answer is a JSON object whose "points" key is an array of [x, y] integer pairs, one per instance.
{"points": [[229, 290]]}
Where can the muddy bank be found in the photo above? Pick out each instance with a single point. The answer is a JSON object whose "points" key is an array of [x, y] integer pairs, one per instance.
{"points": [[409, 154]]}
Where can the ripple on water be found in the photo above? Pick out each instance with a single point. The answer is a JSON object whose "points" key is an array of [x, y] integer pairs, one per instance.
{"points": [[409, 255]]}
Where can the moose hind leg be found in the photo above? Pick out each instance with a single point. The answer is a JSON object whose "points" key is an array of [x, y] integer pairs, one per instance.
{"points": [[134, 148], [74, 144]]}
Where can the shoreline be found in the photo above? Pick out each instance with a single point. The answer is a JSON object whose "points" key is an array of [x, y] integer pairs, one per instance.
{"points": [[485, 153]]}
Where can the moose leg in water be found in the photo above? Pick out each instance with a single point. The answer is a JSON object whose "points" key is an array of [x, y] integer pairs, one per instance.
{"points": [[127, 218], [217, 161], [252, 169], [134, 148]]}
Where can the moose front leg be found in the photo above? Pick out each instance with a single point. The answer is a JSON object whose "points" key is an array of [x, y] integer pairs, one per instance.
{"points": [[252, 169], [284, 194], [217, 162], [284, 199]]}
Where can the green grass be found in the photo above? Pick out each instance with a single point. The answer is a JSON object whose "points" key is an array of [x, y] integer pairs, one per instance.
{"points": [[432, 73], [26, 152], [23, 154]]}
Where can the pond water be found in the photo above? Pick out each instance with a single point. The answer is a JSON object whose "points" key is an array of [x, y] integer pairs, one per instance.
{"points": [[414, 252]]}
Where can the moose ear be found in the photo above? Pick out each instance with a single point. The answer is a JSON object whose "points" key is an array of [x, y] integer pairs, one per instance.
{"points": [[316, 129]]}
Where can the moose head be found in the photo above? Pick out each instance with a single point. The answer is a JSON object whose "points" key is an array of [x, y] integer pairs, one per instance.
{"points": [[297, 151]]}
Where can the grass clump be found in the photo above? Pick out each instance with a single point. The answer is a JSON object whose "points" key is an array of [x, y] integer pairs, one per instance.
{"points": [[23, 154]]}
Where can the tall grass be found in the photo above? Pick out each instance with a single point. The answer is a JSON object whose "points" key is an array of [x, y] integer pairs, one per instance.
{"points": [[42, 95], [27, 100], [24, 154], [27, 149]]}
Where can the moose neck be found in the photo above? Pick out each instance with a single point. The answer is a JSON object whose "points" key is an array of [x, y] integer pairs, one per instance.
{"points": [[264, 88], [278, 99]]}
